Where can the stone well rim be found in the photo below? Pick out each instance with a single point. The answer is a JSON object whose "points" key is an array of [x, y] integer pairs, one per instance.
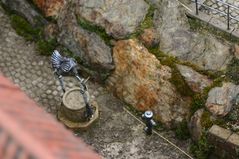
{"points": [[64, 99]]}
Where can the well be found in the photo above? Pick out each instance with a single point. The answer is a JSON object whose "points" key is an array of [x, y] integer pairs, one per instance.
{"points": [[72, 111], [73, 105]]}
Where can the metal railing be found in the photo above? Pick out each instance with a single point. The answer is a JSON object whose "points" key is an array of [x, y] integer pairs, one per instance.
{"points": [[228, 12]]}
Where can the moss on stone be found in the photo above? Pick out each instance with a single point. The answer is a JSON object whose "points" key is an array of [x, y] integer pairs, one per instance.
{"points": [[180, 84], [206, 121], [23, 28], [171, 61], [232, 71], [146, 23], [176, 79], [96, 29], [221, 122], [201, 149], [199, 99], [182, 131], [148, 20], [198, 102], [46, 47], [209, 73]]}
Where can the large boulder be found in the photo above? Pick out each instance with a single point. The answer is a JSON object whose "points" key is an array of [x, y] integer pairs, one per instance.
{"points": [[23, 8], [178, 40], [92, 50], [119, 17], [195, 80], [141, 81], [50, 8], [221, 99]]}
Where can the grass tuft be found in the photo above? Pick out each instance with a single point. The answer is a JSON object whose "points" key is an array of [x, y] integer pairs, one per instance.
{"points": [[96, 29]]}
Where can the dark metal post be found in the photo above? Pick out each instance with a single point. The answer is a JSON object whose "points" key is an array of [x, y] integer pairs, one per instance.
{"points": [[196, 1], [228, 17]]}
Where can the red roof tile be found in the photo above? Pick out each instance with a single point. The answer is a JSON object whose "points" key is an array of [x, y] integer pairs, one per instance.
{"points": [[28, 131]]}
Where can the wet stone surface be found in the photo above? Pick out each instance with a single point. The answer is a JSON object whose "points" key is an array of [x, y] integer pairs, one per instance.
{"points": [[115, 135]]}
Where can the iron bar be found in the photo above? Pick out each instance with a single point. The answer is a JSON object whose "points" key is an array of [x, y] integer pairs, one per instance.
{"points": [[228, 17], [196, 1]]}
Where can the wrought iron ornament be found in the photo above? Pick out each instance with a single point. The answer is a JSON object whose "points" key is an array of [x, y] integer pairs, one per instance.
{"points": [[64, 66]]}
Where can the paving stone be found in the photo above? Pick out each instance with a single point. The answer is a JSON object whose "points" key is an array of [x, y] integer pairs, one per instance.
{"points": [[59, 88], [96, 93], [71, 84], [37, 99], [48, 91], [40, 85], [43, 95], [16, 80], [22, 78], [55, 93], [50, 97]]}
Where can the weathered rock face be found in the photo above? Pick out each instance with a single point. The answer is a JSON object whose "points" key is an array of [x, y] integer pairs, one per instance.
{"points": [[150, 38], [50, 7], [22, 7], [195, 126], [196, 81], [50, 31], [141, 81], [88, 46], [221, 99], [118, 17], [176, 39], [236, 51]]}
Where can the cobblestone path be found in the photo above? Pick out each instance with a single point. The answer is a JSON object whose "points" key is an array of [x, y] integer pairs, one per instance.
{"points": [[115, 135]]}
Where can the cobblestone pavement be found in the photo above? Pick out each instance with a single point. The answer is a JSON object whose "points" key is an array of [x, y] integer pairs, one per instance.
{"points": [[115, 135], [221, 6]]}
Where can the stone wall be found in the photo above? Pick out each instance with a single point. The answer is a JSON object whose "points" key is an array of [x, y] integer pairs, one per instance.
{"points": [[225, 141]]}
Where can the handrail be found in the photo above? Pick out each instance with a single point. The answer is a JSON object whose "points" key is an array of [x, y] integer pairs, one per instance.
{"points": [[227, 5]]}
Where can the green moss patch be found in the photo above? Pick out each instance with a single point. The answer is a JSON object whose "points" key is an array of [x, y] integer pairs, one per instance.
{"points": [[233, 71], [202, 149], [209, 73], [180, 83], [24, 29], [198, 102], [177, 79], [206, 121], [146, 23], [148, 20], [46, 47], [96, 29], [182, 131], [200, 99]]}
